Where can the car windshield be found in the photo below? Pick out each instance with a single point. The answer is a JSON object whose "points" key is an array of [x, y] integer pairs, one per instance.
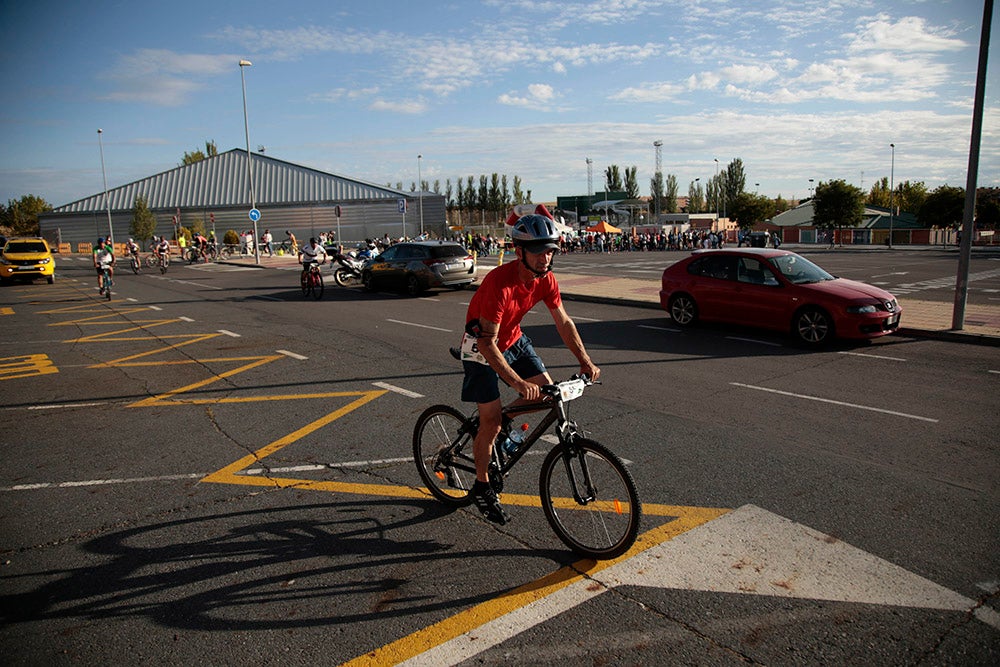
{"points": [[799, 270], [27, 246]]}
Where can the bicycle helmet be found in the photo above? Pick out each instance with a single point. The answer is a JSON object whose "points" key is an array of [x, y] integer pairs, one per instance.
{"points": [[535, 233]]}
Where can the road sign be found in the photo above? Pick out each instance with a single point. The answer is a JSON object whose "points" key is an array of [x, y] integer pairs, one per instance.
{"points": [[254, 214], [401, 203]]}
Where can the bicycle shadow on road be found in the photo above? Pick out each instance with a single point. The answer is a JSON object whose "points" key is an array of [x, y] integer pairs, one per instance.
{"points": [[245, 570]]}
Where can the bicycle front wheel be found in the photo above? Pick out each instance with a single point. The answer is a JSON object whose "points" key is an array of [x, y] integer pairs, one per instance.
{"points": [[590, 499], [317, 285], [442, 450]]}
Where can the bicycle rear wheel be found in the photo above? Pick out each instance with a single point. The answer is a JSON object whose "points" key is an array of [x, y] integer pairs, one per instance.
{"points": [[601, 519], [442, 450]]}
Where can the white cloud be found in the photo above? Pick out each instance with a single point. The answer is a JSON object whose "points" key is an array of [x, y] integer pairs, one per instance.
{"points": [[909, 34], [399, 106], [540, 96], [164, 78]]}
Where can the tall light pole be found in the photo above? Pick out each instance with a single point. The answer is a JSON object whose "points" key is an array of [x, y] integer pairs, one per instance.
{"points": [[658, 147], [697, 189], [718, 188], [107, 202], [892, 186], [246, 129], [420, 195]]}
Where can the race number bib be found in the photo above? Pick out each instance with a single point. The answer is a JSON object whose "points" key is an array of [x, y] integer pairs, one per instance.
{"points": [[470, 350]]}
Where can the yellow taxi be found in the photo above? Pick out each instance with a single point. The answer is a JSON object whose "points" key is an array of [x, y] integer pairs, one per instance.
{"points": [[27, 258]]}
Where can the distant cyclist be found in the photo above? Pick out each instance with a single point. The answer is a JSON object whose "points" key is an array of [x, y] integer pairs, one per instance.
{"points": [[162, 249], [310, 254], [104, 258], [494, 347]]}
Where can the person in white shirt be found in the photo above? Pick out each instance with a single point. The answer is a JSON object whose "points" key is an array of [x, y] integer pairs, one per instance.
{"points": [[310, 254]]}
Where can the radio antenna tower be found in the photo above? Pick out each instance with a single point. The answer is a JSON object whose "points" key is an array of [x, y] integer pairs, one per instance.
{"points": [[590, 180]]}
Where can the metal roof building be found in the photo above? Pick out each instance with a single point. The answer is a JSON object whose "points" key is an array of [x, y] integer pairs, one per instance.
{"points": [[215, 191]]}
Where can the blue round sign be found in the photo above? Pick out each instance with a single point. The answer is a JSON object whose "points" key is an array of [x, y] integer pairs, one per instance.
{"points": [[254, 214]]}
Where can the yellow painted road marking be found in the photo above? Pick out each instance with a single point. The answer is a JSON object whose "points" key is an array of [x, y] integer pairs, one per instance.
{"points": [[445, 630], [27, 365], [228, 474], [6, 310]]}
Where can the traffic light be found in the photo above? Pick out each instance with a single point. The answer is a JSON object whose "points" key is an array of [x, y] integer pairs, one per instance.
{"points": [[211, 217]]}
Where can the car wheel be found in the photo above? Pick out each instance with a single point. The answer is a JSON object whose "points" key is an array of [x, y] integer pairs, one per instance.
{"points": [[368, 281], [683, 310], [812, 327], [413, 287]]}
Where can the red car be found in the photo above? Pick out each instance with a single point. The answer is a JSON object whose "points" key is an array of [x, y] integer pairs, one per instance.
{"points": [[775, 289]]}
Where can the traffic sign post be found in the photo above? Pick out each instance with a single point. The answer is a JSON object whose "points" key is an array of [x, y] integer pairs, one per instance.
{"points": [[401, 205], [255, 216]]}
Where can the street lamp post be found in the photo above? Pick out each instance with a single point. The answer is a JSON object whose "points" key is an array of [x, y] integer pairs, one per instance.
{"points": [[107, 201], [420, 195], [246, 129], [892, 186], [718, 188], [697, 189]]}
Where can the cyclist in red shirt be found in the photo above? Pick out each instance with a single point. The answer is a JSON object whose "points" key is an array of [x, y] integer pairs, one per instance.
{"points": [[495, 348]]}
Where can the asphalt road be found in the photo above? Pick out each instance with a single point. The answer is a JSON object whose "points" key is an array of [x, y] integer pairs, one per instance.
{"points": [[211, 469]]}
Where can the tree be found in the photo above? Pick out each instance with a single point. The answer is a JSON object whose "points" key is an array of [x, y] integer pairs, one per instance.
{"points": [[696, 198], [20, 216], [879, 194], [749, 209], [987, 208], [143, 224], [656, 199], [198, 155], [943, 208], [838, 204], [613, 179], [632, 182], [518, 195], [780, 205], [670, 195], [909, 196], [733, 184]]}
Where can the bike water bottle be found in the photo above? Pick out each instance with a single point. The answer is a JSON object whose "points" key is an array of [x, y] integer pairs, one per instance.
{"points": [[514, 439]]}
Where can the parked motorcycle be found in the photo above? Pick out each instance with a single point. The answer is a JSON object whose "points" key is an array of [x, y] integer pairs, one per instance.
{"points": [[347, 273]]}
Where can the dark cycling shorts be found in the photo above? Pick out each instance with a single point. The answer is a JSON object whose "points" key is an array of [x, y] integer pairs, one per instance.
{"points": [[480, 384]]}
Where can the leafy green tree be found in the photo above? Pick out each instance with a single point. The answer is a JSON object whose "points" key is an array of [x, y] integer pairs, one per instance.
{"points": [[909, 196], [656, 199], [198, 155], [143, 224], [632, 182], [518, 195], [670, 195], [231, 237], [838, 204], [943, 208], [749, 209], [613, 179], [879, 193], [733, 184], [988, 208], [696, 198], [781, 204], [20, 216]]}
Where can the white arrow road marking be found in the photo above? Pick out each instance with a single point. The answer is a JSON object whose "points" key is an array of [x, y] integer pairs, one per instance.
{"points": [[748, 551]]}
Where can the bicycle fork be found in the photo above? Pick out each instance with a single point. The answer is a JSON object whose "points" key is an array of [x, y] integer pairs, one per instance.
{"points": [[583, 490]]}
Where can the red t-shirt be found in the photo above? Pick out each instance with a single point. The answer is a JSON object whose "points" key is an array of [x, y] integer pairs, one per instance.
{"points": [[504, 298]]}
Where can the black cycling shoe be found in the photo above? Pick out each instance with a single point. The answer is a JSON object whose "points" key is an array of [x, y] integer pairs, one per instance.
{"points": [[488, 502]]}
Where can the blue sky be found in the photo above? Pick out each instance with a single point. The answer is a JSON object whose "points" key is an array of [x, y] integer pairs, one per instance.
{"points": [[797, 89]]}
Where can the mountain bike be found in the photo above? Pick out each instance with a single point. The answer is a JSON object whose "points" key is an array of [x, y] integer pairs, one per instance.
{"points": [[588, 495], [136, 262], [164, 262], [106, 282], [312, 281]]}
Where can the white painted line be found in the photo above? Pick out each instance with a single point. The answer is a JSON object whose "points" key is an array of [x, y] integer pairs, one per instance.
{"points": [[186, 319], [428, 298], [292, 355], [398, 390], [647, 326], [993, 371], [422, 326], [190, 282], [871, 356], [755, 341], [585, 319], [154, 308], [833, 402], [323, 466], [100, 482], [229, 333], [267, 298], [64, 405], [133, 300]]}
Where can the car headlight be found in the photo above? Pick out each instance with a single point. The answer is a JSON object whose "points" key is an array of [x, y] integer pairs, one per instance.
{"points": [[45, 260], [861, 309]]}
